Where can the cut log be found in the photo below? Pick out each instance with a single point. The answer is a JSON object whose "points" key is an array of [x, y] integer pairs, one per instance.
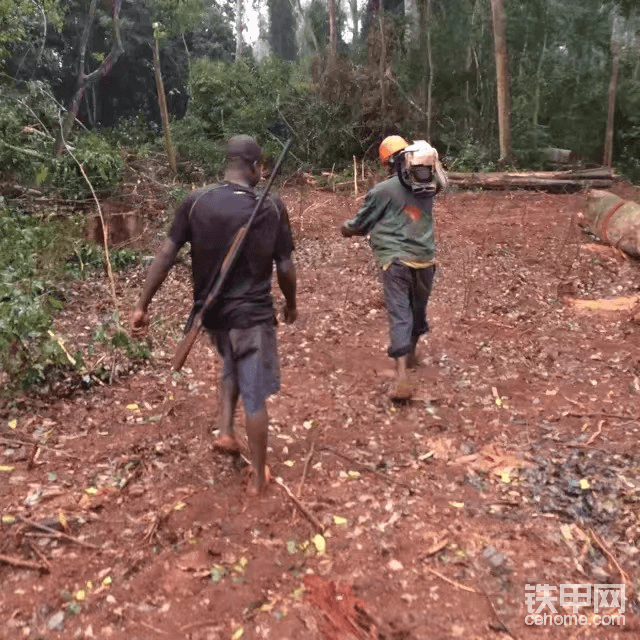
{"points": [[556, 182], [594, 173], [614, 220]]}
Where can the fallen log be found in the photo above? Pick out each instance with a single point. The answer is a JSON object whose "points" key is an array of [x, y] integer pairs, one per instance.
{"points": [[555, 182], [595, 173], [614, 220]]}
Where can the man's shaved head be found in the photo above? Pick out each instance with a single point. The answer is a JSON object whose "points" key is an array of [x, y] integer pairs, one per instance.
{"points": [[245, 148]]}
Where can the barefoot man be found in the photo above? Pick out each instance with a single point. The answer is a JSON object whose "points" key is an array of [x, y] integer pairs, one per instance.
{"points": [[397, 215], [241, 321]]}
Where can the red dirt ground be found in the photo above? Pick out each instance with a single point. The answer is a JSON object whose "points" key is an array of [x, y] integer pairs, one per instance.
{"points": [[516, 463]]}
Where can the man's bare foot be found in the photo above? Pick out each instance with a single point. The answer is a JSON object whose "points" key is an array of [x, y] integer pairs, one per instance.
{"points": [[255, 488], [402, 391], [413, 362], [227, 444]]}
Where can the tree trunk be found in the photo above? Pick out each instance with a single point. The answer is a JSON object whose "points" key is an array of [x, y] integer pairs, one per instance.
{"points": [[554, 181], [412, 19], [536, 97], [85, 80], [239, 29], [502, 79], [382, 65], [355, 18], [431, 72], [471, 60], [613, 85], [333, 35], [164, 111]]}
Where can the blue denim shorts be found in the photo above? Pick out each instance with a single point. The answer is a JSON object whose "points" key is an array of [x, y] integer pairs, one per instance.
{"points": [[251, 361]]}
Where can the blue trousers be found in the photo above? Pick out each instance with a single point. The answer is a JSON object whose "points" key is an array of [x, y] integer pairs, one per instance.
{"points": [[406, 293]]}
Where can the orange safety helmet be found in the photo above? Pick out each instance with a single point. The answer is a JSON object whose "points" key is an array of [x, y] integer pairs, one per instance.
{"points": [[390, 146]]}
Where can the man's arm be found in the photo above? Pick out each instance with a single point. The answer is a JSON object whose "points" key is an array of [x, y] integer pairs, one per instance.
{"points": [[365, 219], [156, 275], [286, 272]]}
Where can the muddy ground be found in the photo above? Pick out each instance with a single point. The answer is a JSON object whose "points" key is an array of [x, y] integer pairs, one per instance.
{"points": [[515, 464]]}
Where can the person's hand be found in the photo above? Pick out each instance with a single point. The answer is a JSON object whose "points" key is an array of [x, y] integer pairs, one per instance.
{"points": [[290, 314], [139, 323], [346, 230]]}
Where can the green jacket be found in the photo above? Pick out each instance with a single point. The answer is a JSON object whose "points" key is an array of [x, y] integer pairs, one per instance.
{"points": [[400, 224]]}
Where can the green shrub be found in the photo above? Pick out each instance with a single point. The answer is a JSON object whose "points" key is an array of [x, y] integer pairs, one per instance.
{"points": [[193, 142], [102, 164], [247, 97], [28, 116], [470, 155], [29, 296], [89, 258], [134, 132], [38, 255]]}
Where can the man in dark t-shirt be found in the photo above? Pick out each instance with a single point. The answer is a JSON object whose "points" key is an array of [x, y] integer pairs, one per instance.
{"points": [[241, 320]]}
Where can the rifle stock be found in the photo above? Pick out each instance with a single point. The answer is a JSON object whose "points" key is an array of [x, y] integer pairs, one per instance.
{"points": [[188, 341], [195, 325]]}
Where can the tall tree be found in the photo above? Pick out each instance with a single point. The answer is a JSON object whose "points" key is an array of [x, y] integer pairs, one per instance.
{"points": [[412, 18], [172, 17], [239, 29], [502, 79], [613, 86], [355, 20], [87, 80], [282, 29], [333, 32]]}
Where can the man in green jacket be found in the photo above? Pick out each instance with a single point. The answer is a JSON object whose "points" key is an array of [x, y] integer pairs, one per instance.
{"points": [[397, 216]]}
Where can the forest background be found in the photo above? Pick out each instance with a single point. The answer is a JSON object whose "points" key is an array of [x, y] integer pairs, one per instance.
{"points": [[87, 86]]}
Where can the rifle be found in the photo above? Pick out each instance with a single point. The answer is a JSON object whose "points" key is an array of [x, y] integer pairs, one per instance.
{"points": [[218, 279]]}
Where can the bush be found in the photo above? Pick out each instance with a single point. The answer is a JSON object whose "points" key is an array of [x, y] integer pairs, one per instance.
{"points": [[470, 155], [133, 132], [29, 353], [255, 98], [102, 164], [38, 255], [193, 142], [27, 118]]}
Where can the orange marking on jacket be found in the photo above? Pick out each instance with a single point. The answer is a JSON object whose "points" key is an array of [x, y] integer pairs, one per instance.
{"points": [[413, 212]]}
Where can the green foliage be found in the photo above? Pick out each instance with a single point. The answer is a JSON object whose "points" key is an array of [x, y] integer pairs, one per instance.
{"points": [[88, 258], [30, 249], [194, 142], [38, 253], [101, 162], [472, 156], [246, 97], [111, 334], [17, 18], [27, 118], [133, 133], [238, 97], [172, 17]]}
